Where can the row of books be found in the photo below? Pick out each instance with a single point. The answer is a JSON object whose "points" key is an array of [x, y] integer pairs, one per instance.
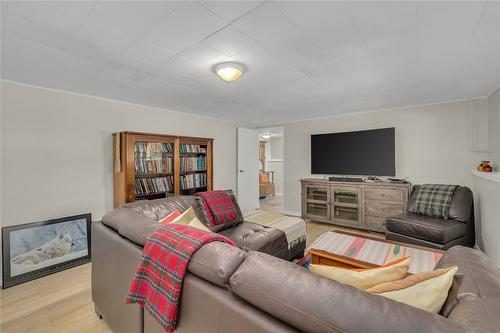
{"points": [[154, 185], [153, 149], [194, 180], [146, 165], [193, 163], [185, 148]]}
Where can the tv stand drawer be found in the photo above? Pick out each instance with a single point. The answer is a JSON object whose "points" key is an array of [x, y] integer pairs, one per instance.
{"points": [[384, 194], [383, 209]]}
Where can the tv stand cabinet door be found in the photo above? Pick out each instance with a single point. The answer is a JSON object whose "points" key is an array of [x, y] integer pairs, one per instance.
{"points": [[346, 205], [316, 202]]}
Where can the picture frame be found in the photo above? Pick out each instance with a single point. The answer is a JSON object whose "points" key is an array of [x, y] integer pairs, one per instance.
{"points": [[34, 250]]}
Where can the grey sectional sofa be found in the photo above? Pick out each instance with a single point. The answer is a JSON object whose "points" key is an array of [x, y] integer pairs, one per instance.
{"points": [[229, 290]]}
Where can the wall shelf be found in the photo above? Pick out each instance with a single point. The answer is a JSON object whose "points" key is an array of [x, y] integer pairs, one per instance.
{"points": [[493, 176]]}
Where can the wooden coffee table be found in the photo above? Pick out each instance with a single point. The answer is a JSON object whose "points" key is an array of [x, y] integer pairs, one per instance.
{"points": [[354, 251]]}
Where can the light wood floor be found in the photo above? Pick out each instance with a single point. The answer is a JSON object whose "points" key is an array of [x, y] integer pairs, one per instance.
{"points": [[58, 303], [273, 204], [62, 303]]}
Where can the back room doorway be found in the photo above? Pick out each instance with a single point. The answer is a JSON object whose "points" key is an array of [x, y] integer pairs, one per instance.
{"points": [[271, 147]]}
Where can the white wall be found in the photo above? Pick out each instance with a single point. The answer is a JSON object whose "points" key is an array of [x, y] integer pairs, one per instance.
{"points": [[487, 192], [276, 144], [431, 145], [57, 150], [494, 120], [487, 199]]}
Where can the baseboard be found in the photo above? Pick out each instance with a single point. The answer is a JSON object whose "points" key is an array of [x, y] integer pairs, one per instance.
{"points": [[291, 213]]}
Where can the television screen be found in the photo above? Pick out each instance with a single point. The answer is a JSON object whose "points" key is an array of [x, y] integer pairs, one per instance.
{"points": [[362, 153]]}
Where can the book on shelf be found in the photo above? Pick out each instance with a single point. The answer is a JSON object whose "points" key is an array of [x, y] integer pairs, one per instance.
{"points": [[185, 148], [196, 180], [153, 147], [143, 165], [193, 163], [153, 157], [145, 186]]}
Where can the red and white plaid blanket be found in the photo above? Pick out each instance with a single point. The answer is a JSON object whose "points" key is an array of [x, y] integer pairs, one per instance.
{"points": [[219, 207], [157, 284]]}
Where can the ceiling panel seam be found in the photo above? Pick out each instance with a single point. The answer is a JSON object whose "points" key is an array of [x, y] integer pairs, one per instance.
{"points": [[467, 50]]}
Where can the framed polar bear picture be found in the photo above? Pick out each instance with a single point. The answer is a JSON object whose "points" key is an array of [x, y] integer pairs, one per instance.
{"points": [[37, 249]]}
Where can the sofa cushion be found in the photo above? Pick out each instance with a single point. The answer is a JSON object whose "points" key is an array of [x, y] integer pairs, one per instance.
{"points": [[216, 262], [158, 209], [426, 227], [131, 224], [476, 303], [314, 304], [461, 203], [475, 316], [250, 236]]}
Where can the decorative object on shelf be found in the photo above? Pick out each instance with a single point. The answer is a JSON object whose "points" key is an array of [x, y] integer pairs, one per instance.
{"points": [[37, 249], [154, 166], [485, 166]]}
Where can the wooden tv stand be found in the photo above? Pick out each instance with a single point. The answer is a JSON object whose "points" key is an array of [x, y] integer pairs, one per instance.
{"points": [[357, 205]]}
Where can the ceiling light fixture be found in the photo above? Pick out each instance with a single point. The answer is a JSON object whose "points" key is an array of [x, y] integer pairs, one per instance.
{"points": [[229, 71]]}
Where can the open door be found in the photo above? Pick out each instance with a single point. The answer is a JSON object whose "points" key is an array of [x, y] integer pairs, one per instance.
{"points": [[248, 168]]}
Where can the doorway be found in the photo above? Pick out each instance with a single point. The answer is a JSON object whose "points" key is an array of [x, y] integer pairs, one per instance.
{"points": [[271, 147]]}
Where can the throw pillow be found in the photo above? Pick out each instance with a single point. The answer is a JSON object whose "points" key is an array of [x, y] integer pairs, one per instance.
{"points": [[195, 223], [170, 217], [367, 278], [188, 218], [205, 212], [427, 291], [185, 217]]}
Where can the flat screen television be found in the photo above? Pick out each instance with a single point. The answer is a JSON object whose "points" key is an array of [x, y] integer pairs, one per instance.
{"points": [[361, 153]]}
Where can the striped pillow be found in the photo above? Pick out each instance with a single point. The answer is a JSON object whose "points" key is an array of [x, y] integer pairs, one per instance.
{"points": [[170, 217], [365, 278]]}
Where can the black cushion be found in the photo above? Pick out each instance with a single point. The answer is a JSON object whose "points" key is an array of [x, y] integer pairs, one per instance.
{"points": [[426, 227]]}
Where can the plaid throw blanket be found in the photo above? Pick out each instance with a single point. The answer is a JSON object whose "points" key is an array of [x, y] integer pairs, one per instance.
{"points": [[434, 200], [219, 207], [157, 284]]}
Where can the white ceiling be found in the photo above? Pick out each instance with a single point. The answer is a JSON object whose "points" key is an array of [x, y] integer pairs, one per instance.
{"points": [[277, 131], [305, 59]]}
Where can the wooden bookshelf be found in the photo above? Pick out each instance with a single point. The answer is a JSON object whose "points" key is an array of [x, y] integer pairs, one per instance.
{"points": [[151, 166]]}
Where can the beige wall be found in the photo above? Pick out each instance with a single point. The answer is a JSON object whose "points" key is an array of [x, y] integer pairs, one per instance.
{"points": [[431, 145], [57, 150]]}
